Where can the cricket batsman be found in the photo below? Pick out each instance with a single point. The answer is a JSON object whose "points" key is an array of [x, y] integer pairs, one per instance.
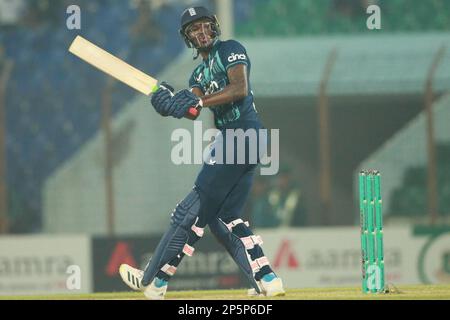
{"points": [[220, 82]]}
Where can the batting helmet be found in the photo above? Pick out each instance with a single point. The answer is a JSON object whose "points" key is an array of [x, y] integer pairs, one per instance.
{"points": [[193, 14]]}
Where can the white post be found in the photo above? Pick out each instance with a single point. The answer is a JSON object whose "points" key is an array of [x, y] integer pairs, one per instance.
{"points": [[224, 11]]}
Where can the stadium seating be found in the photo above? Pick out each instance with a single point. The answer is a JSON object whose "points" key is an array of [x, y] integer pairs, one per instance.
{"points": [[53, 100], [291, 17]]}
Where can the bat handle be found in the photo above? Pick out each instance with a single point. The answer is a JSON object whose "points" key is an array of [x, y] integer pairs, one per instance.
{"points": [[193, 113]]}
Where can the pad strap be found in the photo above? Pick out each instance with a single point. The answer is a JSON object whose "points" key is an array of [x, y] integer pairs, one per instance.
{"points": [[234, 223], [188, 250], [257, 264], [168, 269], [197, 230], [251, 241]]}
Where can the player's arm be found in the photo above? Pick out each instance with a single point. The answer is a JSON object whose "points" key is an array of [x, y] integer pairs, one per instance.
{"points": [[197, 91], [236, 90]]}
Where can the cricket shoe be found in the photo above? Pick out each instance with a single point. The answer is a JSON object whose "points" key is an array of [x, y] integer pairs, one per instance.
{"points": [[133, 277], [270, 286]]}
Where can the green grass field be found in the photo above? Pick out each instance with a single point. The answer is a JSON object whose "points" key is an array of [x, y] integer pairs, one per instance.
{"points": [[420, 292]]}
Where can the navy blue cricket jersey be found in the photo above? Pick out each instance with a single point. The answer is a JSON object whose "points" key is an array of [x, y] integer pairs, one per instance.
{"points": [[211, 76]]}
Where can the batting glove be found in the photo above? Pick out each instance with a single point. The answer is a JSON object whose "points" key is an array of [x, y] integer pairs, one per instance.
{"points": [[181, 102], [161, 99]]}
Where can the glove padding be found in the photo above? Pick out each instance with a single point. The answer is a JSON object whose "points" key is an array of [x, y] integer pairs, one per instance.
{"points": [[161, 99], [181, 102]]}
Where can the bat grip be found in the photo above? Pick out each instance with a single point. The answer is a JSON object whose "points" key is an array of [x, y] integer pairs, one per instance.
{"points": [[193, 113]]}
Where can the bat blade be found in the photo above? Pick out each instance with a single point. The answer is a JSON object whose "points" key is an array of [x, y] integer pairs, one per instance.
{"points": [[113, 66], [119, 69]]}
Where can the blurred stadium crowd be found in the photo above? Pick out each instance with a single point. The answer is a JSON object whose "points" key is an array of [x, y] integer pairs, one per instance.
{"points": [[277, 201], [408, 200], [49, 117], [314, 17]]}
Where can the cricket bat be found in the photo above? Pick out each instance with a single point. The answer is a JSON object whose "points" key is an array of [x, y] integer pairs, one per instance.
{"points": [[118, 69]]}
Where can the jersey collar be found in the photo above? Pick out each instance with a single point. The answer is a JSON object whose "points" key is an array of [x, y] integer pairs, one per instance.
{"points": [[214, 49]]}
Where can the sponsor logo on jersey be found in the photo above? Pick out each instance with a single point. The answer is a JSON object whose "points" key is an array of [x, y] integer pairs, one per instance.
{"points": [[236, 56]]}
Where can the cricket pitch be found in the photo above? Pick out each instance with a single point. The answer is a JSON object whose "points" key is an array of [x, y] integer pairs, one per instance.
{"points": [[417, 292]]}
